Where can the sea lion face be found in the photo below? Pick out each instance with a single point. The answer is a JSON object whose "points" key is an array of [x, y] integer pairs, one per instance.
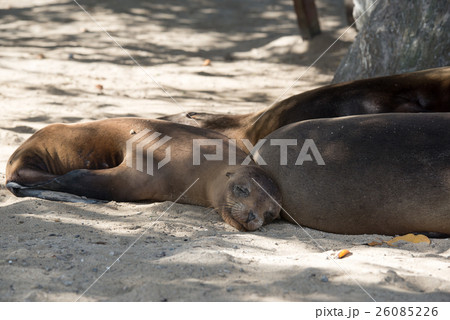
{"points": [[252, 199]]}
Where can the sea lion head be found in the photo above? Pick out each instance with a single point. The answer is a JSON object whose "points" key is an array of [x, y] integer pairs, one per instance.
{"points": [[251, 199]]}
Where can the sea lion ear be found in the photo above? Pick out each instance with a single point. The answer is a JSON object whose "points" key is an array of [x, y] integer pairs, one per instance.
{"points": [[229, 174]]}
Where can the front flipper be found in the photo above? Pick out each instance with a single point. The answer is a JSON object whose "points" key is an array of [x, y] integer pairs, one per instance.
{"points": [[120, 183], [23, 191], [105, 184]]}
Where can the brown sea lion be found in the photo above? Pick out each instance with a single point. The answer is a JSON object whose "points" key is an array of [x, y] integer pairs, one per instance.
{"points": [[422, 91], [386, 174], [98, 160]]}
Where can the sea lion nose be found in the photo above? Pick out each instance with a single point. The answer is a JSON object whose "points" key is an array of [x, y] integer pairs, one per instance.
{"points": [[251, 216]]}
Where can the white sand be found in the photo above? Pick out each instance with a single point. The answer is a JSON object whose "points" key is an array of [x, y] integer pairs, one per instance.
{"points": [[53, 251]]}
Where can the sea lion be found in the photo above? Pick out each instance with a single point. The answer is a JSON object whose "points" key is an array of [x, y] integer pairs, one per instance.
{"points": [[385, 174], [98, 160], [422, 91]]}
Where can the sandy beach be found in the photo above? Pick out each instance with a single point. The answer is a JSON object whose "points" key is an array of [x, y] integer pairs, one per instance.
{"points": [[58, 65]]}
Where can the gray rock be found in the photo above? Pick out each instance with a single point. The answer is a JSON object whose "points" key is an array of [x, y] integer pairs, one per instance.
{"points": [[397, 36]]}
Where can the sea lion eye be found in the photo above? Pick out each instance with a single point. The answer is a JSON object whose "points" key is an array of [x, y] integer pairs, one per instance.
{"points": [[241, 191]]}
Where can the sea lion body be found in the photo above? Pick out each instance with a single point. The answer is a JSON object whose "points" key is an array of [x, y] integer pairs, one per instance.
{"points": [[422, 91], [93, 160], [384, 174]]}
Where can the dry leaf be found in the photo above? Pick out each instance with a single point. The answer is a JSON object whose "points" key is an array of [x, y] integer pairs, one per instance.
{"points": [[343, 253], [207, 62], [375, 243], [409, 238]]}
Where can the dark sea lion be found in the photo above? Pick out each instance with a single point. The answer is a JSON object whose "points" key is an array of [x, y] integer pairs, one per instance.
{"points": [[422, 91], [385, 174], [98, 160]]}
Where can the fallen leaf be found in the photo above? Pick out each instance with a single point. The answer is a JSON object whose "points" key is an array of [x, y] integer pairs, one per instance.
{"points": [[375, 243], [343, 253], [420, 238], [207, 62]]}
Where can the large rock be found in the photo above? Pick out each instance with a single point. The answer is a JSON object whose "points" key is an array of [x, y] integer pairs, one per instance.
{"points": [[397, 36]]}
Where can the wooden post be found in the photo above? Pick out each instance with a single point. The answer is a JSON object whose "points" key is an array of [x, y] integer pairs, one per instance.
{"points": [[307, 18]]}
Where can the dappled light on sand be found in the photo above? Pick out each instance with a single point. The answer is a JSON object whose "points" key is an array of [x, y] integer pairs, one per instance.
{"points": [[56, 65]]}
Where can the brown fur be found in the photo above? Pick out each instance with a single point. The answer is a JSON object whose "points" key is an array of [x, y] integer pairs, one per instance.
{"points": [[386, 174], [422, 91], [89, 159]]}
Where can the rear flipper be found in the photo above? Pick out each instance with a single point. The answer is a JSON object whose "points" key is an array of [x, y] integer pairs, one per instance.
{"points": [[23, 191]]}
